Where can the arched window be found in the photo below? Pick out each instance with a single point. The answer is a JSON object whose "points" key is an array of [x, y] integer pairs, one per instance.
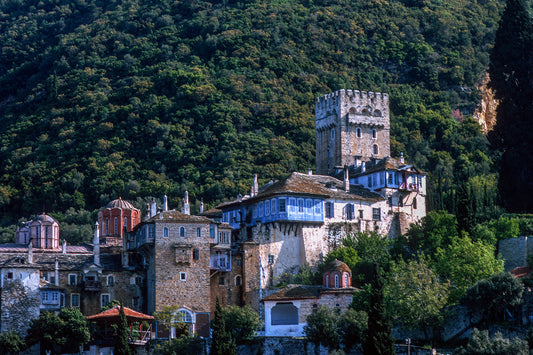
{"points": [[374, 134], [165, 232], [184, 316], [327, 281], [238, 280], [375, 149], [126, 223], [182, 231], [358, 132], [115, 231], [346, 280], [336, 281]]}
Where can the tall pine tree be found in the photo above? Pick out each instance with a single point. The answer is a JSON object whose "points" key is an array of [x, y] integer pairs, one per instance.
{"points": [[378, 339], [122, 346], [511, 73]]}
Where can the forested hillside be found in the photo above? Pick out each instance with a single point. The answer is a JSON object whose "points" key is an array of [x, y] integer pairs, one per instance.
{"points": [[137, 98]]}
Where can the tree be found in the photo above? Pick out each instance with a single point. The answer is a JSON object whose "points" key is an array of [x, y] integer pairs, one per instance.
{"points": [[463, 263], [480, 343], [493, 297], [222, 343], [322, 328], [415, 295], [353, 326], [75, 329], [372, 248], [122, 346], [11, 342], [378, 339], [511, 77], [241, 322], [46, 331]]}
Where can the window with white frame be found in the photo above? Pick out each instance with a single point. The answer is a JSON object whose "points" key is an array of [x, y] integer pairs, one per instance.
{"points": [[75, 300], [376, 214], [183, 276]]}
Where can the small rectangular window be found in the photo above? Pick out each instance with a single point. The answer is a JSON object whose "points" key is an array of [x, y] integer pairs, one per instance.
{"points": [[271, 259], [300, 205], [72, 279], [282, 207], [196, 254], [110, 280], [361, 214], [274, 207], [349, 211], [183, 276], [376, 214], [75, 300], [104, 300], [198, 232], [10, 276], [221, 281], [330, 208]]}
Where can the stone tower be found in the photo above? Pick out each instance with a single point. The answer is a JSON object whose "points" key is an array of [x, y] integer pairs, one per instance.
{"points": [[351, 126]]}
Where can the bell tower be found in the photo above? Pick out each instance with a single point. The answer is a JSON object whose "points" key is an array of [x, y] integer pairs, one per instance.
{"points": [[351, 125]]}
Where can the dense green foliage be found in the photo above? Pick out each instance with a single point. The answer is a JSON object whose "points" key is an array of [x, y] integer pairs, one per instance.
{"points": [[241, 322], [139, 98], [481, 343], [491, 299], [322, 327], [11, 342], [65, 331]]}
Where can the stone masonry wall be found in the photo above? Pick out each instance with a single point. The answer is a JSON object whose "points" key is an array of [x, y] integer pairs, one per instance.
{"points": [[193, 292], [515, 251]]}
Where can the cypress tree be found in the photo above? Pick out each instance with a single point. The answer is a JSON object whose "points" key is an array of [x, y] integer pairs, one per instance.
{"points": [[511, 74], [222, 343], [379, 339], [122, 346]]}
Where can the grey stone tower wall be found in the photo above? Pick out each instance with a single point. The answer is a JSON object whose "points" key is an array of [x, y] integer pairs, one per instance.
{"points": [[338, 116]]}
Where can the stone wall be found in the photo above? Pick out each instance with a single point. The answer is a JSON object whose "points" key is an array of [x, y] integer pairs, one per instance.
{"points": [[515, 251]]}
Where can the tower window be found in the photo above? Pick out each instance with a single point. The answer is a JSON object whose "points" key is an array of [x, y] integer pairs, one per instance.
{"points": [[182, 231], [374, 134], [375, 149], [165, 232], [115, 231], [358, 132]]}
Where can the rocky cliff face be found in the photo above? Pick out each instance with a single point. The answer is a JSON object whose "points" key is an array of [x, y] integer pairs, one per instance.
{"points": [[485, 114]]}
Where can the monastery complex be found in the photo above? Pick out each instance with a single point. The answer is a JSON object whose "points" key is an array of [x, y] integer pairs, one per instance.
{"points": [[235, 252]]}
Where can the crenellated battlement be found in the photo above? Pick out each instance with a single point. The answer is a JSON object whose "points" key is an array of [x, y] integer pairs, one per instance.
{"points": [[352, 98], [351, 123]]}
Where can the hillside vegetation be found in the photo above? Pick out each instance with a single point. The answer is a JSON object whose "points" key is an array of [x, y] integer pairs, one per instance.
{"points": [[136, 98]]}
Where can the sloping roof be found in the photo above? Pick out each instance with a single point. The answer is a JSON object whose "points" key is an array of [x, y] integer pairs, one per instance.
{"points": [[113, 313], [387, 163], [521, 271], [309, 185], [337, 265], [293, 292], [175, 216], [120, 203]]}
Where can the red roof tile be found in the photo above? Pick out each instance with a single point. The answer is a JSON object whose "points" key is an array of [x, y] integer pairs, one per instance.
{"points": [[114, 313]]}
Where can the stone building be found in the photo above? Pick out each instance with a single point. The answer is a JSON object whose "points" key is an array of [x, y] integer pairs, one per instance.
{"points": [[286, 310], [297, 220], [38, 274]]}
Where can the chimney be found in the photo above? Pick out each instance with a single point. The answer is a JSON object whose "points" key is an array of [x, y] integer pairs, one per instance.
{"points": [[64, 246], [165, 203], [309, 172], [402, 160], [147, 214], [56, 273], [153, 208], [346, 179], [202, 205], [96, 245], [186, 209], [363, 167], [30, 253], [255, 187]]}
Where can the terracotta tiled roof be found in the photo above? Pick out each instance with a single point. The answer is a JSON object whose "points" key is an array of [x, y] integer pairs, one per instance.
{"points": [[387, 163], [114, 313], [521, 271]]}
